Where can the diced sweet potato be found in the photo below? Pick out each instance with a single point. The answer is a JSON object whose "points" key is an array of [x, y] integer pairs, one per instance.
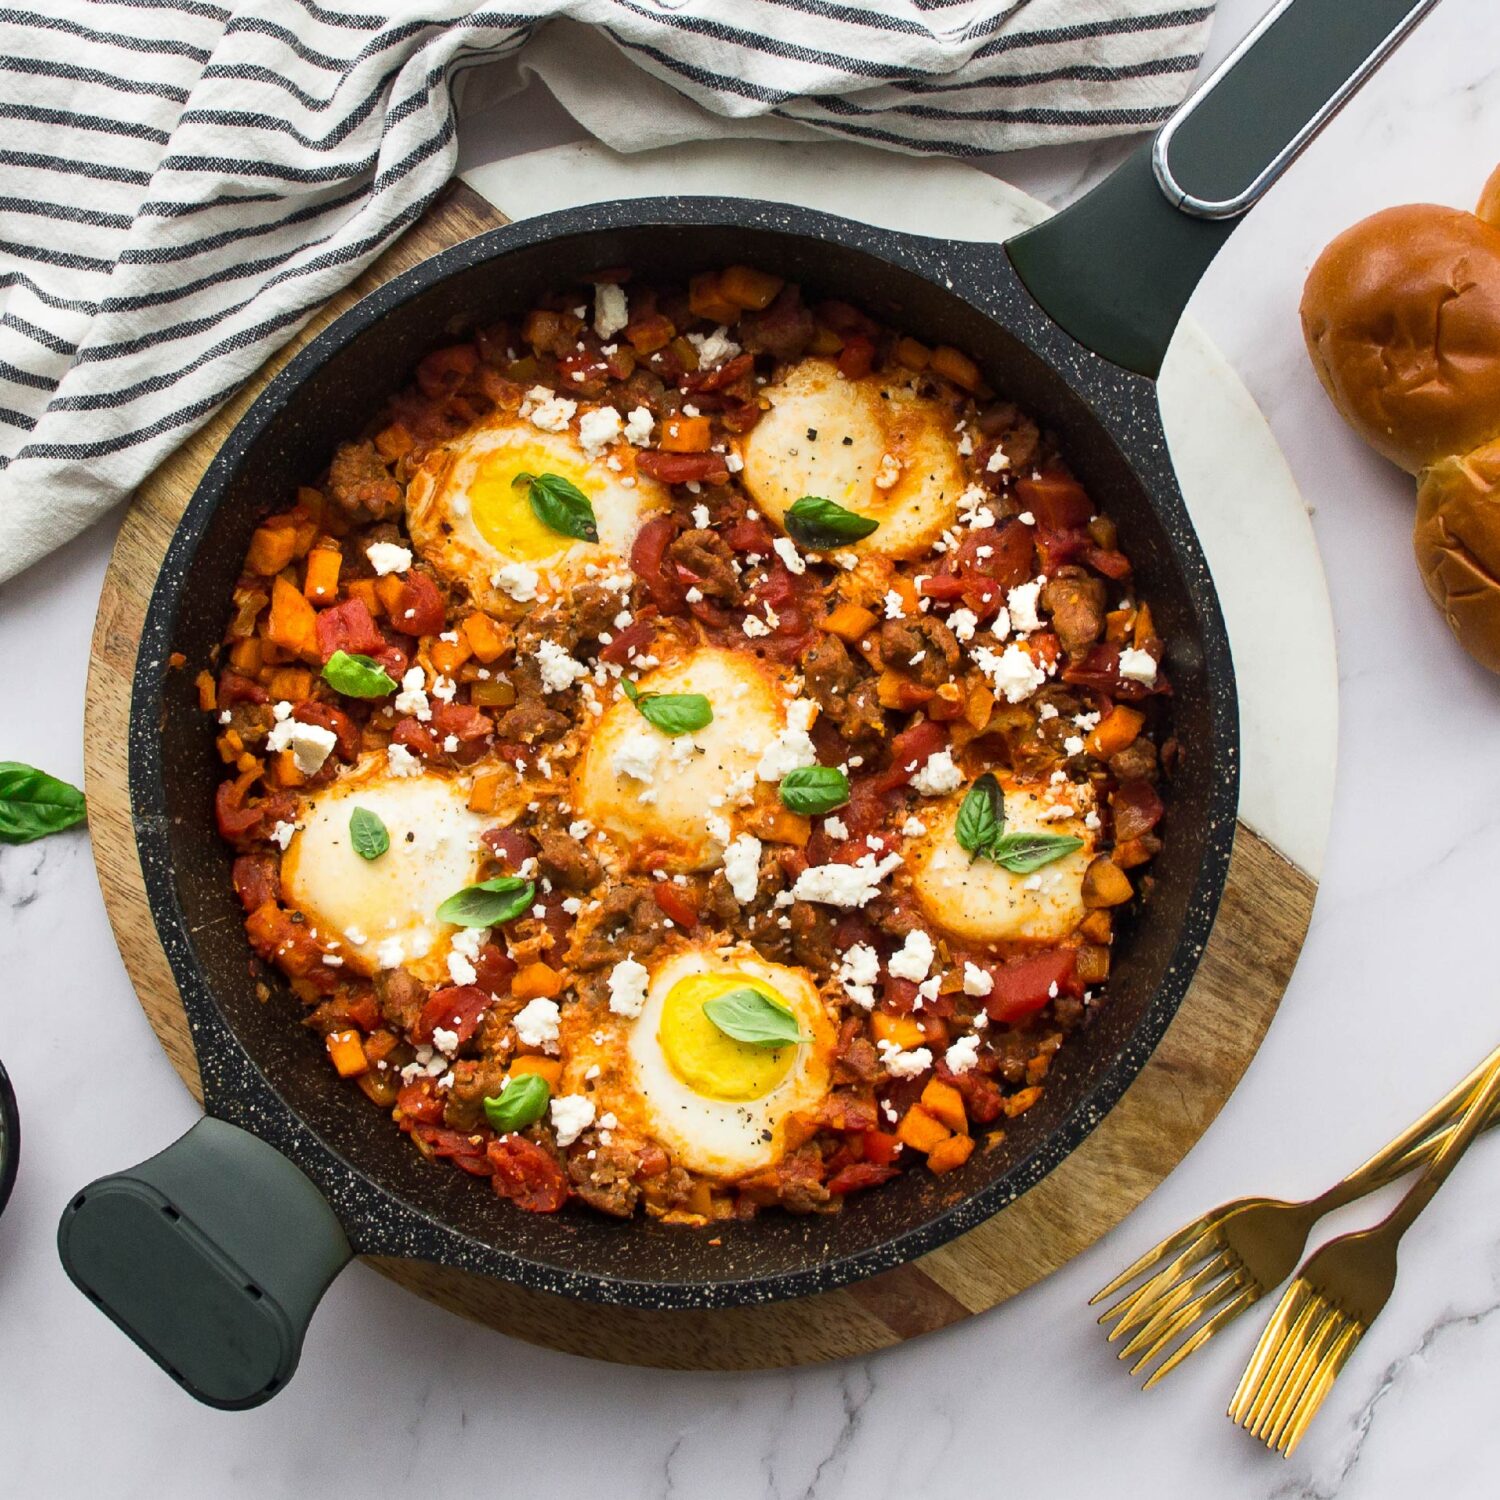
{"points": [[1105, 883], [904, 1031], [347, 1053], [1117, 729], [747, 288], [849, 621], [322, 583], [536, 980], [685, 435], [293, 621], [272, 547], [707, 298], [548, 1068], [921, 1130], [484, 637], [947, 1155], [945, 1102], [959, 368]]}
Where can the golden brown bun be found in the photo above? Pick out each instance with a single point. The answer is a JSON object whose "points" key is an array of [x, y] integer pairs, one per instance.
{"points": [[1401, 315], [1457, 542], [1489, 200]]}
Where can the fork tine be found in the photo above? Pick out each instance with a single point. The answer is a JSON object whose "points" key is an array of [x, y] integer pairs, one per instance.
{"points": [[1159, 1252], [1167, 1308], [1247, 1297], [1251, 1393], [1332, 1364], [1129, 1308], [1181, 1321], [1304, 1372], [1267, 1404]]}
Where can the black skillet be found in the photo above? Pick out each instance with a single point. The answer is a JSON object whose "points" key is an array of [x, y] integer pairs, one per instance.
{"points": [[213, 1255]]}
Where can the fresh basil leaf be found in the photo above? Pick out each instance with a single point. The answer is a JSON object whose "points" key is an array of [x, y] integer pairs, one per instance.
{"points": [[672, 713], [822, 524], [749, 1016], [814, 789], [522, 1102], [34, 804], [357, 676], [1021, 853], [370, 836], [488, 904], [558, 503], [981, 816]]}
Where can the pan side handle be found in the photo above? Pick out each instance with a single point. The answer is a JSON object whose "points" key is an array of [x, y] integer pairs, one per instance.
{"points": [[1116, 268], [212, 1257]]}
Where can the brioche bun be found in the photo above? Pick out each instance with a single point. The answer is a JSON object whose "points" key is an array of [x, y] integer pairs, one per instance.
{"points": [[1401, 315], [1457, 542]]}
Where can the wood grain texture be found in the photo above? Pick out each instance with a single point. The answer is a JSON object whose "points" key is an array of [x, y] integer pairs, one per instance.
{"points": [[1249, 959]]}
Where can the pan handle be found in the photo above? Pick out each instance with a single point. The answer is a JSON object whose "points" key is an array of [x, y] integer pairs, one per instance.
{"points": [[1116, 268], [212, 1256]]}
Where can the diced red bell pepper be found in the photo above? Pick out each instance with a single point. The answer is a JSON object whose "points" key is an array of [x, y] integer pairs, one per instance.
{"points": [[648, 559], [860, 1175], [527, 1175], [419, 606], [416, 737], [634, 640], [682, 468], [676, 904], [509, 844], [325, 715], [857, 357], [1003, 553], [493, 969], [1137, 809], [1023, 986], [1108, 561], [236, 689], [444, 370], [459, 1008], [1056, 499], [257, 880], [348, 627], [419, 1104], [880, 1147], [910, 751]]}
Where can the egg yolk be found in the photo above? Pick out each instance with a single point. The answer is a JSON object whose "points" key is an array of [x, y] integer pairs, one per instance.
{"points": [[502, 511], [703, 1057]]}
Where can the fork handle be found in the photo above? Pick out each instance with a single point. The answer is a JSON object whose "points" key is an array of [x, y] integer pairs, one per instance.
{"points": [[1420, 1142], [1459, 1140]]}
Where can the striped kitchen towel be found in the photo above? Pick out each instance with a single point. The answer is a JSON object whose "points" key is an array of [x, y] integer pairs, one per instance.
{"points": [[182, 182]]}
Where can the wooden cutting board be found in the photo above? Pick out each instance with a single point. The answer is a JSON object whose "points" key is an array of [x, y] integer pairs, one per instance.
{"points": [[1249, 959]]}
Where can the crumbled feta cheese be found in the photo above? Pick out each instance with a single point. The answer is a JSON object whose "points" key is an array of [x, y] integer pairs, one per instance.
{"points": [[390, 954], [913, 960], [997, 461], [282, 834], [742, 867], [550, 413], [913, 828], [844, 885], [754, 627], [636, 755], [889, 473], [627, 987], [611, 311], [962, 1054], [460, 969], [597, 429], [791, 750], [1021, 602], [558, 670], [572, 1114], [519, 580], [536, 1024], [388, 557], [858, 972], [718, 829], [1013, 672], [901, 1064], [310, 744], [1138, 666], [1073, 745], [963, 623], [701, 517], [713, 348], [445, 689], [399, 761], [786, 550], [939, 776], [638, 426], [895, 606], [1026, 518], [445, 1040], [974, 509], [836, 828], [412, 699], [977, 981]]}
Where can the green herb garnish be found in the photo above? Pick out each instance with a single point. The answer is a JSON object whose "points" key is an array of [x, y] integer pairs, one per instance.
{"points": [[34, 804], [672, 713], [980, 829], [488, 904], [749, 1016], [522, 1102], [822, 524], [371, 839], [357, 676], [814, 789], [558, 503]]}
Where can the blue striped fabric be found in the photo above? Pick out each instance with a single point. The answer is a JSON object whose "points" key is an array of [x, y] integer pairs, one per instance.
{"points": [[183, 182]]}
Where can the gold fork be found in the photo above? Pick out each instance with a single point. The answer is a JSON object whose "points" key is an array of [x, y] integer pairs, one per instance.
{"points": [[1224, 1262], [1338, 1293]]}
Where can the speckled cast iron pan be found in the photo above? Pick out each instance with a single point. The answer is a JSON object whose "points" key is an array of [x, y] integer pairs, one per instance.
{"points": [[213, 1254]]}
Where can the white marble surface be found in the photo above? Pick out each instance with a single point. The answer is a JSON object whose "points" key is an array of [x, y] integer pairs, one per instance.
{"points": [[395, 1396]]}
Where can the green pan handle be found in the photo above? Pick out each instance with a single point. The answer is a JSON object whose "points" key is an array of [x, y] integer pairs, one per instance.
{"points": [[212, 1257], [1116, 268]]}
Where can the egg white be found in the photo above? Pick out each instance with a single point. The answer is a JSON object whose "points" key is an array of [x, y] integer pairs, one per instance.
{"points": [[717, 1138], [434, 852], [446, 512], [978, 901], [828, 436], [695, 776]]}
